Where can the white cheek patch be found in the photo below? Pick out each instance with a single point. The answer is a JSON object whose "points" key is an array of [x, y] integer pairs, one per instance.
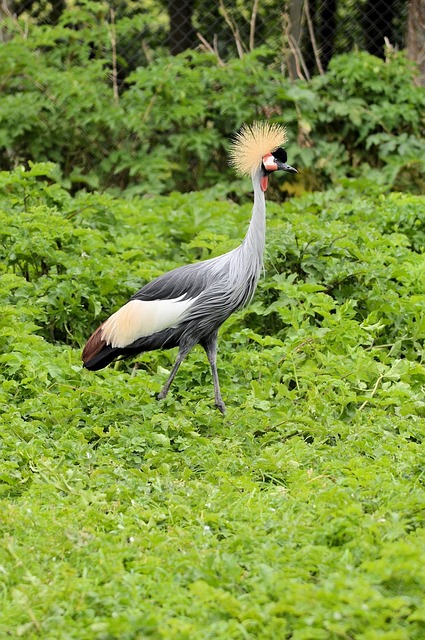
{"points": [[141, 318], [269, 162]]}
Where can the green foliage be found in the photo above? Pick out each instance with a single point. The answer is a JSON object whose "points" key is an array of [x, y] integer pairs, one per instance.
{"points": [[374, 107], [300, 514], [166, 125]]}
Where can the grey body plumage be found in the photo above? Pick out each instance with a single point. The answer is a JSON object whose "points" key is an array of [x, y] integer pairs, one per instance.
{"points": [[195, 299]]}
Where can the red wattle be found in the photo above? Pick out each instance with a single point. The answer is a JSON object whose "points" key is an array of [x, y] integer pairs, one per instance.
{"points": [[264, 183]]}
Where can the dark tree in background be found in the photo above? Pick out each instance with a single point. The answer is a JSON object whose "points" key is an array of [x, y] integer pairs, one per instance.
{"points": [[295, 14], [324, 23], [327, 30], [378, 24], [182, 35], [416, 36]]}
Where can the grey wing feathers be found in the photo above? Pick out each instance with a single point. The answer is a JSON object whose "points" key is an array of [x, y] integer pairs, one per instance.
{"points": [[218, 287], [188, 281]]}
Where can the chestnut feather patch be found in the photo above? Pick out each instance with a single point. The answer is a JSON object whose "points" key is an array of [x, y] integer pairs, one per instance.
{"points": [[253, 142], [94, 345]]}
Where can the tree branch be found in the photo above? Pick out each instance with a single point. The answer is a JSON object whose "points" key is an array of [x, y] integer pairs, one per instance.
{"points": [[312, 37], [252, 25], [114, 74]]}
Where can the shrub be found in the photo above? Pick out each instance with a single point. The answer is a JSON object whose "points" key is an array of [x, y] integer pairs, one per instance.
{"points": [[170, 125]]}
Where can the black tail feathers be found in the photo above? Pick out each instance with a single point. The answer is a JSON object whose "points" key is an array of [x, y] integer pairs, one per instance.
{"points": [[102, 359]]}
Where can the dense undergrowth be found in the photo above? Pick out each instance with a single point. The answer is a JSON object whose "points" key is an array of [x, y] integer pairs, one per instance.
{"points": [[301, 513]]}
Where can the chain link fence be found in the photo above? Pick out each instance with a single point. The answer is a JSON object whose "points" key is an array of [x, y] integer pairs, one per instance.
{"points": [[305, 34]]}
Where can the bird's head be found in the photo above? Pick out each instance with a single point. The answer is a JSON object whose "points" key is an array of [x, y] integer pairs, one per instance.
{"points": [[274, 161], [258, 147]]}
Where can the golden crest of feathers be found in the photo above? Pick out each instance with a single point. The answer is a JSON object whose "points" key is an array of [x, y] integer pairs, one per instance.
{"points": [[253, 142]]}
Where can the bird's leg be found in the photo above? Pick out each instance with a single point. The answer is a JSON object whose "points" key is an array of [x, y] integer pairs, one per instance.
{"points": [[180, 357], [210, 346]]}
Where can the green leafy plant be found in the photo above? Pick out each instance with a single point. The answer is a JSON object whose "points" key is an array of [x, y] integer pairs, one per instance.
{"points": [[298, 515], [166, 125]]}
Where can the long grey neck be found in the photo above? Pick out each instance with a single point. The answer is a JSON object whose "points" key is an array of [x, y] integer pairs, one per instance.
{"points": [[256, 235]]}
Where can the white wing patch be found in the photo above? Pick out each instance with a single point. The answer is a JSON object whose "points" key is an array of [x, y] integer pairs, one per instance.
{"points": [[141, 318]]}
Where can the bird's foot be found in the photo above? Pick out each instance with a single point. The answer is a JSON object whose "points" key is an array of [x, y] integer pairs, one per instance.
{"points": [[161, 395], [220, 406]]}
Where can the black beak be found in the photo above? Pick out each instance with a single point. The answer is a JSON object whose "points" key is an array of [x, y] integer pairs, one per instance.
{"points": [[286, 167]]}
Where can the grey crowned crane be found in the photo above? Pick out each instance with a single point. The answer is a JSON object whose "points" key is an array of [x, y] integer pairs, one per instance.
{"points": [[187, 305]]}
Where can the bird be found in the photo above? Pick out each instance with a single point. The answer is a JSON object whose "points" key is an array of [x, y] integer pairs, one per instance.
{"points": [[187, 306]]}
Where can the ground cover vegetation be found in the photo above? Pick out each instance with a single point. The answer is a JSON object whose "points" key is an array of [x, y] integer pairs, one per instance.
{"points": [[301, 513]]}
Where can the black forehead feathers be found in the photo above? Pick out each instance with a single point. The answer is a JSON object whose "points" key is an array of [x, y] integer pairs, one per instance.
{"points": [[280, 154]]}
